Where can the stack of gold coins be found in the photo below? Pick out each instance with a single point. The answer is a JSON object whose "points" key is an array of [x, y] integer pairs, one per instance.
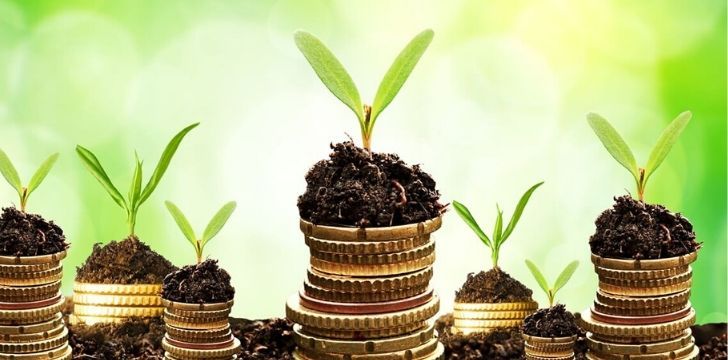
{"points": [[113, 303], [641, 310], [367, 294], [469, 318], [198, 331], [538, 348], [31, 322]]}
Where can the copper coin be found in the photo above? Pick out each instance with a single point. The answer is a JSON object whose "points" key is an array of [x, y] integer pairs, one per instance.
{"points": [[200, 346], [29, 305], [640, 320], [365, 308]]}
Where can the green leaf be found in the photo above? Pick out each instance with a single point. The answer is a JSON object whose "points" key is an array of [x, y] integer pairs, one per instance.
{"points": [[498, 229], [9, 173], [218, 221], [41, 173], [666, 141], [565, 275], [540, 279], [163, 163], [399, 72], [94, 166], [519, 211], [182, 222], [465, 214], [330, 71], [135, 188], [614, 143]]}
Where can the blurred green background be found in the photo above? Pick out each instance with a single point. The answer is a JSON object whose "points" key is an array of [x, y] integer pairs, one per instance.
{"points": [[496, 104]]}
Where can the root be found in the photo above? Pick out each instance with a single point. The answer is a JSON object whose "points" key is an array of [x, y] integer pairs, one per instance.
{"points": [[402, 194]]}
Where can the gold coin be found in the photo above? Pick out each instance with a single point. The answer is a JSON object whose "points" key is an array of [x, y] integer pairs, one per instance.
{"points": [[425, 350], [30, 316], [29, 293], [472, 324], [197, 307], [369, 285], [365, 334], [34, 336], [182, 353], [642, 292], [491, 315], [647, 311], [587, 323], [640, 274], [366, 247], [372, 233], [650, 264], [348, 297], [205, 314], [194, 323], [62, 353], [637, 340], [679, 298], [649, 283], [53, 276], [538, 340], [32, 268], [554, 349], [640, 349], [668, 355], [547, 353], [36, 346], [373, 270], [48, 325], [117, 300], [197, 336], [117, 311], [33, 260], [353, 347], [376, 259], [515, 306], [316, 319], [118, 289], [535, 357]]}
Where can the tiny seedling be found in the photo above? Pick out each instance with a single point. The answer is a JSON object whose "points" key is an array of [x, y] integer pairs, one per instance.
{"points": [[137, 195], [618, 148], [213, 227], [11, 175], [337, 79], [560, 281], [500, 235]]}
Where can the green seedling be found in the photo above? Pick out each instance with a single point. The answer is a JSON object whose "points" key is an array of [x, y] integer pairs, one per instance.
{"points": [[213, 227], [136, 195], [618, 148], [337, 79], [560, 281], [500, 235], [11, 175]]}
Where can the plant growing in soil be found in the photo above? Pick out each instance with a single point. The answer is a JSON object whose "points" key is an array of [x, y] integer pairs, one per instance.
{"points": [[213, 227], [11, 175], [618, 148], [561, 280], [554, 321], [333, 74]]}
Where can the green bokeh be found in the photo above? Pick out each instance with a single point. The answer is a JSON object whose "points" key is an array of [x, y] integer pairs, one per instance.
{"points": [[497, 103]]}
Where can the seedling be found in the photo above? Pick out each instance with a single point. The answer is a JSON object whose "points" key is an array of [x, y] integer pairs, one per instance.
{"points": [[560, 281], [11, 175], [500, 235], [618, 148], [213, 227], [337, 79], [137, 195]]}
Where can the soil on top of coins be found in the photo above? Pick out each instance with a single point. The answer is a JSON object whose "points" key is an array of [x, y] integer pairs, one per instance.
{"points": [[555, 321], [356, 187], [24, 234], [633, 229], [129, 261], [493, 286], [205, 282]]}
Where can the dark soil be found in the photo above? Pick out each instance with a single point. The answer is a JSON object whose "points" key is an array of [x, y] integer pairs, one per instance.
{"points": [[632, 229], [136, 339], [264, 339], [504, 344], [201, 283], [555, 321], [129, 261], [357, 188], [493, 286], [711, 338], [23, 234]]}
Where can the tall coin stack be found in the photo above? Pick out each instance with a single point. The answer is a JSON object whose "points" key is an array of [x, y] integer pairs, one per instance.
{"points": [[31, 322], [367, 294], [642, 310], [113, 303], [198, 331]]}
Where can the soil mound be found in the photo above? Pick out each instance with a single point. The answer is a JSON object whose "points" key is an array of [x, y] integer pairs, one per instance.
{"points": [[552, 322], [129, 261], [23, 234], [134, 339], [196, 284], [493, 286]]}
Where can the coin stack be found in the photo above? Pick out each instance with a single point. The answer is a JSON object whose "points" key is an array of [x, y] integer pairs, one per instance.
{"points": [[113, 303], [541, 348], [31, 322], [198, 331], [469, 318], [642, 310], [367, 294]]}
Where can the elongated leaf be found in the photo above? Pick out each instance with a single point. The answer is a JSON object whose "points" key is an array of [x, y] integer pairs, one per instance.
{"points": [[565, 275], [465, 214], [519, 211], [666, 141], [614, 143], [94, 166], [540, 279], [163, 163], [41, 173], [498, 229], [330, 71], [399, 72], [182, 222], [218, 221], [9, 173], [135, 188]]}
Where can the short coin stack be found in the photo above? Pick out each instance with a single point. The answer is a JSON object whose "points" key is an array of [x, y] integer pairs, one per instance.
{"points": [[641, 310], [31, 322], [469, 318], [198, 331], [112, 303], [540, 348], [367, 294]]}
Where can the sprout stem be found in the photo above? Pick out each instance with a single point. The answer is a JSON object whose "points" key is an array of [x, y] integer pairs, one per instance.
{"points": [[366, 132], [24, 200], [641, 185]]}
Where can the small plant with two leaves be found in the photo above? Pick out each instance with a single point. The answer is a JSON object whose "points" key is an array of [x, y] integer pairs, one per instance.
{"points": [[561, 280], [554, 322], [11, 175], [213, 227], [333, 74]]}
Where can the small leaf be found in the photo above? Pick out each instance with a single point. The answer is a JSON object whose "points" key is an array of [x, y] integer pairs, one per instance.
{"points": [[666, 141], [565, 275], [218, 221], [135, 188], [614, 143], [498, 229], [330, 71], [94, 166], [182, 223], [41, 173], [540, 279], [519, 211], [9, 173], [465, 214], [399, 72], [163, 163]]}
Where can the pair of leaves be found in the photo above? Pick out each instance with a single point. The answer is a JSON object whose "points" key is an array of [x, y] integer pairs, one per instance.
{"points": [[561, 280], [212, 229], [11, 175]]}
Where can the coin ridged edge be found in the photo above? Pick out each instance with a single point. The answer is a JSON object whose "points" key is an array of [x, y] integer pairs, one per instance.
{"points": [[371, 233], [117, 311], [366, 247], [117, 300], [376, 259], [649, 283], [360, 347], [511, 306], [33, 260], [363, 285], [640, 274], [642, 292], [587, 323], [36, 346], [633, 302], [649, 264], [169, 304], [373, 270], [118, 289], [366, 334]]}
